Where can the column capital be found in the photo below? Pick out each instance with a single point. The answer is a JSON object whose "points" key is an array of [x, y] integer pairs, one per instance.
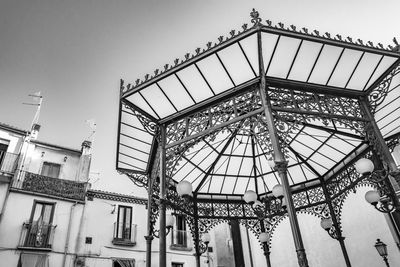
{"points": [[281, 166]]}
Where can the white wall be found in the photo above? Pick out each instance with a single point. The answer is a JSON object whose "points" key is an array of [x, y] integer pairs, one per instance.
{"points": [[18, 211], [34, 160], [14, 139]]}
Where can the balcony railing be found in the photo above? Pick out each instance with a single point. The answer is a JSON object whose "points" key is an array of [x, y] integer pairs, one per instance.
{"points": [[181, 239], [8, 162], [37, 235], [51, 186], [124, 234]]}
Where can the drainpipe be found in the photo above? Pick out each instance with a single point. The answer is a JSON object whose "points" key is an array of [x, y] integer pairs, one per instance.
{"points": [[68, 233], [79, 236]]}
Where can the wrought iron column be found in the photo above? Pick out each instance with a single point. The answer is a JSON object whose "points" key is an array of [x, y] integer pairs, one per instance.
{"points": [[149, 237], [196, 231], [163, 243], [281, 163], [335, 221], [267, 253], [375, 137]]}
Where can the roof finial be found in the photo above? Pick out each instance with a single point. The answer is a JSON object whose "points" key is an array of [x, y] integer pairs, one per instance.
{"points": [[255, 17]]}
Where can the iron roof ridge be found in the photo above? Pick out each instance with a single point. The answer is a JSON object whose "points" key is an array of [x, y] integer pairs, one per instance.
{"points": [[257, 26]]}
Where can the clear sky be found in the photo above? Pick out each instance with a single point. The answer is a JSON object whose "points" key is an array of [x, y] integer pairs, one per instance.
{"points": [[76, 51]]}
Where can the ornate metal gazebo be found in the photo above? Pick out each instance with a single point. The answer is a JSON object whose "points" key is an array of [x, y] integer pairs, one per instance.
{"points": [[268, 105]]}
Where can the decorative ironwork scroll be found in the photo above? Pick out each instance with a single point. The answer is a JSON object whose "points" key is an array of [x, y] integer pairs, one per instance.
{"points": [[378, 94]]}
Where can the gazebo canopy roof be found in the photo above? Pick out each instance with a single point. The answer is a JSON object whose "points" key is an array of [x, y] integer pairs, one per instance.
{"points": [[233, 161]]}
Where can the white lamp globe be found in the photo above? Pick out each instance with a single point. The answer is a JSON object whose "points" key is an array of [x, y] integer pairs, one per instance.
{"points": [[169, 220], [326, 223], [206, 238], [372, 197], [277, 191], [263, 237], [250, 196], [364, 166], [184, 188]]}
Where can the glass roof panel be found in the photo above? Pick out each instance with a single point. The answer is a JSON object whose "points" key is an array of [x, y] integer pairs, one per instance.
{"points": [[158, 101], [363, 71], [268, 45], [138, 101], [236, 64], [303, 150], [195, 84], [240, 186], [270, 179], [128, 162], [345, 67], [235, 164], [296, 174], [229, 185], [215, 74], [250, 48], [247, 167], [216, 183], [283, 58], [176, 93], [305, 60], [318, 165], [383, 66], [325, 64]]}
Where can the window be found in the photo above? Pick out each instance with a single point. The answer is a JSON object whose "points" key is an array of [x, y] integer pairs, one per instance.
{"points": [[123, 263], [179, 235], [31, 259], [39, 228], [176, 264], [124, 231], [3, 151], [51, 169]]}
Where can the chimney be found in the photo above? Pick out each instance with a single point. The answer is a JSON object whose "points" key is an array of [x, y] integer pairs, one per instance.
{"points": [[86, 147], [35, 131], [84, 162]]}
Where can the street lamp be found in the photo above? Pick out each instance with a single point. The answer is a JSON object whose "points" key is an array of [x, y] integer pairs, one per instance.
{"points": [[382, 250], [326, 224], [268, 204], [184, 189], [383, 200], [264, 239], [169, 224]]}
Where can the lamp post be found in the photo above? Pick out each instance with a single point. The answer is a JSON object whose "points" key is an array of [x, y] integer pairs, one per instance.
{"points": [[388, 201], [264, 239], [382, 250]]}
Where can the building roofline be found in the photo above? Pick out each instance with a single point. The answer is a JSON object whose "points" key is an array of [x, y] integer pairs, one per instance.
{"points": [[92, 193], [45, 144], [13, 129]]}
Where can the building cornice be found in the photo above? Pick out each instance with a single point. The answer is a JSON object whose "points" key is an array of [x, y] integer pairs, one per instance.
{"points": [[115, 197]]}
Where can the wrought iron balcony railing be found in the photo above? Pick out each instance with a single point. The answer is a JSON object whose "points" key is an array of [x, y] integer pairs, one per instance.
{"points": [[181, 239], [37, 235], [51, 186], [8, 162], [124, 234]]}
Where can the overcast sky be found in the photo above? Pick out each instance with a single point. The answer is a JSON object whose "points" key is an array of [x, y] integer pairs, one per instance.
{"points": [[76, 51]]}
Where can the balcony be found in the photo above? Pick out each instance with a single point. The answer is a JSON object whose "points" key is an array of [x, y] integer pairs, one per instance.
{"points": [[124, 234], [8, 162], [181, 240], [61, 188], [36, 235]]}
